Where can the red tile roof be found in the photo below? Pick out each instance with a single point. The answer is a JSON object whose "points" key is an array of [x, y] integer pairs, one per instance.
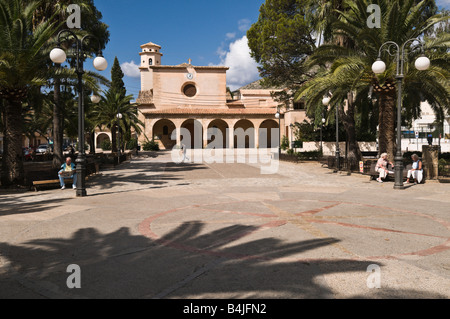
{"points": [[207, 111]]}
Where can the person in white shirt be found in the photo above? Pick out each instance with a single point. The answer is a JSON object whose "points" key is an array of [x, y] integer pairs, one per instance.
{"points": [[416, 172], [382, 167]]}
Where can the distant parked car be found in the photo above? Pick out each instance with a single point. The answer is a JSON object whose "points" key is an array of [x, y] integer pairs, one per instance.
{"points": [[42, 149]]}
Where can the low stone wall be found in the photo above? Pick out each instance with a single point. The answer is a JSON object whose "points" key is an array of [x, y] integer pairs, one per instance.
{"points": [[329, 148]]}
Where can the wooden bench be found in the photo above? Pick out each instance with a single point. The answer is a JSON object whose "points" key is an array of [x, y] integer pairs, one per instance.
{"points": [[49, 183], [374, 174]]}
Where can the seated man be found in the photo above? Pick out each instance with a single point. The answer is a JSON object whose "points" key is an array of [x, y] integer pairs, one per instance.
{"points": [[417, 171], [67, 171]]}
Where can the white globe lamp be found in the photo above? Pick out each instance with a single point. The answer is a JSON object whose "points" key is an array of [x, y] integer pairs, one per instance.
{"points": [[100, 63], [378, 67], [95, 99], [58, 56], [422, 63]]}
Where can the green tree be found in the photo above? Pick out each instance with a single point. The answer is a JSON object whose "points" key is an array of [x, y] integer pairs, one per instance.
{"points": [[22, 61], [280, 41], [105, 113], [117, 75], [90, 24], [351, 79]]}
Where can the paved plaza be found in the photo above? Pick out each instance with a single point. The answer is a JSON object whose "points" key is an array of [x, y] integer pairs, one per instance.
{"points": [[156, 229]]}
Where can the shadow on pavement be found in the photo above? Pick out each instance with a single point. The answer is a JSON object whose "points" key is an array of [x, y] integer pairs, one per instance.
{"points": [[14, 205], [184, 263], [147, 173]]}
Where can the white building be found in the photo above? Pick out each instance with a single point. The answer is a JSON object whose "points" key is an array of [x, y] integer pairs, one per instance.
{"points": [[416, 136]]}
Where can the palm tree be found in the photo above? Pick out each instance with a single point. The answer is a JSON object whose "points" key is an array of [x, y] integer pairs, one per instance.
{"points": [[105, 113], [90, 23], [321, 14], [37, 114], [22, 62], [351, 67]]}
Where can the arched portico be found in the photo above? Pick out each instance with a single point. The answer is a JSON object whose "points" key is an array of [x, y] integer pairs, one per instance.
{"points": [[100, 137], [162, 132], [192, 134], [217, 134], [244, 134], [268, 134]]}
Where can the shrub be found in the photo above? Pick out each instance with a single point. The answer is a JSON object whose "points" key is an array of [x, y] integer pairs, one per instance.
{"points": [[444, 167], [311, 155], [106, 145], [284, 143], [150, 146], [132, 144], [445, 156]]}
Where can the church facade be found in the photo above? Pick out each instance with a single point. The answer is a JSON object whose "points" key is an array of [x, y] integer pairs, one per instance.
{"points": [[195, 98]]}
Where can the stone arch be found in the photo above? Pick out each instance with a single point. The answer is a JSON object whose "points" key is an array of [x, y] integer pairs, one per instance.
{"points": [[195, 130], [244, 134], [100, 138], [266, 134], [222, 126], [162, 132]]}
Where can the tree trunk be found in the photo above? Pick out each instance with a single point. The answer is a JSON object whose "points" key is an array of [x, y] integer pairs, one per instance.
{"points": [[58, 131], [92, 143], [354, 153], [386, 122], [12, 163], [114, 138]]}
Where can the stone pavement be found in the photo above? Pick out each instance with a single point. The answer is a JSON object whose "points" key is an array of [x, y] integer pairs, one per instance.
{"points": [[156, 229]]}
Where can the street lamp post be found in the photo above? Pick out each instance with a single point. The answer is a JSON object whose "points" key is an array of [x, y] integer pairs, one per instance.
{"points": [[321, 135], [119, 117], [326, 101], [292, 135], [422, 63], [58, 56], [278, 116]]}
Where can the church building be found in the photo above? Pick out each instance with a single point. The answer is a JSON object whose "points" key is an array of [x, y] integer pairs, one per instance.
{"points": [[195, 98]]}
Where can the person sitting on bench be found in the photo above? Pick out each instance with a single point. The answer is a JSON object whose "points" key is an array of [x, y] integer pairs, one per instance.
{"points": [[382, 167], [68, 171], [417, 171]]}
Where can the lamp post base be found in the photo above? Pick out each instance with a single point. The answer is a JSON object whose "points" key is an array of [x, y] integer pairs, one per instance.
{"points": [[398, 172], [81, 172], [338, 161]]}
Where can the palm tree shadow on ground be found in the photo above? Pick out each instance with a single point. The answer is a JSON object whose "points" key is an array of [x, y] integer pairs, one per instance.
{"points": [[185, 263]]}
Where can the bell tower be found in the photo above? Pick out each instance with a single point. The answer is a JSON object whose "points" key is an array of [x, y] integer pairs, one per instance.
{"points": [[150, 56]]}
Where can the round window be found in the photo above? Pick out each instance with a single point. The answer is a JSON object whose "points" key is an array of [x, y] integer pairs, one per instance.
{"points": [[190, 90]]}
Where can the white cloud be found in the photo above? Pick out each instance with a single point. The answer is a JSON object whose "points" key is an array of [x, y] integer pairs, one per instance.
{"points": [[130, 69], [243, 68], [221, 51], [443, 3], [244, 25], [230, 35]]}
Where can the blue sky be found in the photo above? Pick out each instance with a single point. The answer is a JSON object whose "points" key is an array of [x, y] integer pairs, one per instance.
{"points": [[210, 32]]}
